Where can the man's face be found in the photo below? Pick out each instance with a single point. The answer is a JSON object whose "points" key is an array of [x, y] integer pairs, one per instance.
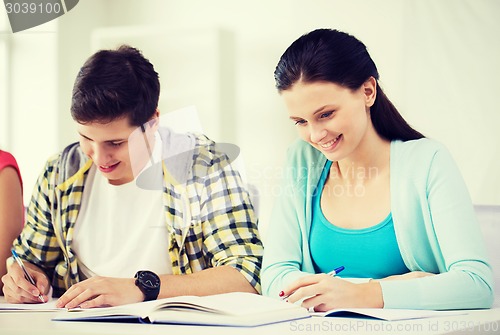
{"points": [[117, 149]]}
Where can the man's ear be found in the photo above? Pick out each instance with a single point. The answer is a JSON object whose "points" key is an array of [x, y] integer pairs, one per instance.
{"points": [[156, 114], [156, 118], [370, 91], [154, 122]]}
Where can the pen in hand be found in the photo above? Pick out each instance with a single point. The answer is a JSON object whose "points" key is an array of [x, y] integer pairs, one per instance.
{"points": [[26, 274], [336, 271], [331, 273]]}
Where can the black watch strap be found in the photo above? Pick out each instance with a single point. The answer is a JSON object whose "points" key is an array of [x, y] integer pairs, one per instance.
{"points": [[149, 283]]}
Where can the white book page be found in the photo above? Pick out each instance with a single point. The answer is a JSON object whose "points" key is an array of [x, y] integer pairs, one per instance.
{"points": [[48, 306], [387, 314]]}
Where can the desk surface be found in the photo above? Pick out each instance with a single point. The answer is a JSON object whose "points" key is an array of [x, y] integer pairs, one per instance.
{"points": [[474, 322]]}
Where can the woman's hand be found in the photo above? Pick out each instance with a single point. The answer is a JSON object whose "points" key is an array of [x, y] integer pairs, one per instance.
{"points": [[101, 292], [323, 292]]}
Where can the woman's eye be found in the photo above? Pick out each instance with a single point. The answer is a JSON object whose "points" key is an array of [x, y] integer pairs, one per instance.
{"points": [[325, 115], [116, 144], [299, 122]]}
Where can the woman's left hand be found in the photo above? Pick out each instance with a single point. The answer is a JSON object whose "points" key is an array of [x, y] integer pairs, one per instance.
{"points": [[101, 292], [323, 292]]}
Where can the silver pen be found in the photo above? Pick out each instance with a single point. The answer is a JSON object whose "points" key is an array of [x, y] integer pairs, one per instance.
{"points": [[26, 274]]}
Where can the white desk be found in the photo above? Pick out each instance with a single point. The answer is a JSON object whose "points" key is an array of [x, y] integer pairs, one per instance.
{"points": [[39, 323]]}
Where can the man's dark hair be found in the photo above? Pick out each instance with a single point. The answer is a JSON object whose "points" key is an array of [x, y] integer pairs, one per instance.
{"points": [[113, 84]]}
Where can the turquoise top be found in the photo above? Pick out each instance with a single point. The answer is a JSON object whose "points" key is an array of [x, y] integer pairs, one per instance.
{"points": [[371, 252], [434, 222]]}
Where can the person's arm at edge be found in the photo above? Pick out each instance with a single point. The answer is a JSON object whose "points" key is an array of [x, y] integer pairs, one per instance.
{"points": [[11, 214]]}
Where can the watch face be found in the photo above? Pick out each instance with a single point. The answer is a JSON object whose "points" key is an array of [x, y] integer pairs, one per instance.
{"points": [[149, 280]]}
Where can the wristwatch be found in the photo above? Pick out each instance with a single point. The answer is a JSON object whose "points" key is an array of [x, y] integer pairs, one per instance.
{"points": [[149, 283]]}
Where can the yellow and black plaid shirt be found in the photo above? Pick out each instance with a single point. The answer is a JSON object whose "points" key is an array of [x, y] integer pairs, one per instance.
{"points": [[209, 216]]}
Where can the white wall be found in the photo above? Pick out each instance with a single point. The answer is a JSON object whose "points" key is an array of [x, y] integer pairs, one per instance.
{"points": [[452, 65], [438, 61], [4, 80], [32, 127]]}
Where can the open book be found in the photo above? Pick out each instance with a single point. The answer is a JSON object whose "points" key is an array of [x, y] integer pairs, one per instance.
{"points": [[228, 309], [46, 307], [386, 314]]}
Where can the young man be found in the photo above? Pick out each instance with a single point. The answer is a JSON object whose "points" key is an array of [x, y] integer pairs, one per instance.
{"points": [[100, 233]]}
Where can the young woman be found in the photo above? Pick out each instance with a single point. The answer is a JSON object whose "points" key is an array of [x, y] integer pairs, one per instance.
{"points": [[11, 206], [367, 192]]}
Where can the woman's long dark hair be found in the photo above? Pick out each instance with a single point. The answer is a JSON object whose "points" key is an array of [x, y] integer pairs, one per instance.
{"points": [[333, 56]]}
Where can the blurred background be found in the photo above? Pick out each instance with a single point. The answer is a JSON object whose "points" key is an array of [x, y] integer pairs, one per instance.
{"points": [[439, 62]]}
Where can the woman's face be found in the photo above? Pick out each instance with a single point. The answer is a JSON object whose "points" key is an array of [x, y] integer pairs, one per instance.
{"points": [[330, 117]]}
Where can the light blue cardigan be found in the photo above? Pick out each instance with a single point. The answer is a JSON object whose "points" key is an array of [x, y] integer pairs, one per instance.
{"points": [[434, 221]]}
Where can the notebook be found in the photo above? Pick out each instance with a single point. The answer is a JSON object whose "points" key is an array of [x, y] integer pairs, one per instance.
{"points": [[49, 306], [228, 309], [386, 313]]}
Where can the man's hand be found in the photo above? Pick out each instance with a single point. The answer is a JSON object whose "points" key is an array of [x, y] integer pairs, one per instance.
{"points": [[18, 290], [101, 292]]}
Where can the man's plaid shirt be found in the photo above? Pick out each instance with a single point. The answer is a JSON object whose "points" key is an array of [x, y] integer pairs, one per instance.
{"points": [[208, 214]]}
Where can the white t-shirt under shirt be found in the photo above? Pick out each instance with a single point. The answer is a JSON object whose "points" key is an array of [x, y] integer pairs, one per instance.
{"points": [[121, 229]]}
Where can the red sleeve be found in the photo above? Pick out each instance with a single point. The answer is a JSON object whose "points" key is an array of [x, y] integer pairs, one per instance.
{"points": [[6, 159]]}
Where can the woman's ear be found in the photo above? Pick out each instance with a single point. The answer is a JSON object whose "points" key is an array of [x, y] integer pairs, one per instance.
{"points": [[370, 91]]}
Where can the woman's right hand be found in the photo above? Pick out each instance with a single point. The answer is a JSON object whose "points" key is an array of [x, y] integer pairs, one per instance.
{"points": [[18, 290]]}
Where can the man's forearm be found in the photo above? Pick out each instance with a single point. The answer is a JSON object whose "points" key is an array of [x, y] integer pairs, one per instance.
{"points": [[216, 280]]}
